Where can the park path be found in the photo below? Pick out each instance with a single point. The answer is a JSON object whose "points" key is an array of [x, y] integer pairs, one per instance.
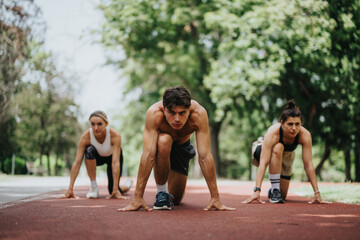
{"points": [[47, 217]]}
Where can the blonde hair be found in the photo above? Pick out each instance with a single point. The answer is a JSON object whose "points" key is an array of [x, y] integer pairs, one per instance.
{"points": [[99, 114]]}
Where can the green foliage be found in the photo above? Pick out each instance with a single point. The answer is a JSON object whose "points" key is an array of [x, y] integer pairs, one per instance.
{"points": [[20, 166], [17, 20], [46, 112], [242, 59]]}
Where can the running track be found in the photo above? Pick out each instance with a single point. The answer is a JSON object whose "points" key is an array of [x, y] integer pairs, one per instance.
{"points": [[47, 217]]}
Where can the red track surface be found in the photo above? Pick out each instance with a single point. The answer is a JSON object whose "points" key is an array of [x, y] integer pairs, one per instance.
{"points": [[83, 218]]}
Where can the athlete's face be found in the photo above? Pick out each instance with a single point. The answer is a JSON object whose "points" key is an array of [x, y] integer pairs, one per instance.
{"points": [[291, 126], [98, 126], [177, 116]]}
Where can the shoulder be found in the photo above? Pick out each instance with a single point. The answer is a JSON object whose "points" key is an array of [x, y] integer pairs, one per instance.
{"points": [[115, 136], [273, 133], [114, 133], [154, 115], [304, 136], [198, 113], [274, 130], [85, 138]]}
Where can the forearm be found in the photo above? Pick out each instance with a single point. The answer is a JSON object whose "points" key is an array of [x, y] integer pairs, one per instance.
{"points": [[208, 169], [310, 172], [260, 175], [73, 174], [146, 165]]}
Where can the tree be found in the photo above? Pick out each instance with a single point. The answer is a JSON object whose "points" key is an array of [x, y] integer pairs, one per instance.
{"points": [[17, 19], [165, 43], [46, 111]]}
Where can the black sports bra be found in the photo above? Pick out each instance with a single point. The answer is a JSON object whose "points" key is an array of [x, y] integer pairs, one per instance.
{"points": [[289, 147]]}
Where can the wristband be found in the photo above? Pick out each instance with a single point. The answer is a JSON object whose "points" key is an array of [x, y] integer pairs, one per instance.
{"points": [[317, 192]]}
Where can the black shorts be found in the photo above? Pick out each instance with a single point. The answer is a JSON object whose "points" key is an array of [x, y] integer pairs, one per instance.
{"points": [[180, 156], [91, 153], [257, 153]]}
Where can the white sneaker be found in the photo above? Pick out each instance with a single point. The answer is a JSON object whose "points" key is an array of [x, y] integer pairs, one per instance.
{"points": [[128, 183], [93, 193]]}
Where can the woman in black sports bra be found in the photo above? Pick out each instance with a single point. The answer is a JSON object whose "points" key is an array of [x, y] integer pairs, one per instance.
{"points": [[276, 149]]}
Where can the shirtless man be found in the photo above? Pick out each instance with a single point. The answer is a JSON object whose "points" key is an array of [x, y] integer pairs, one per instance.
{"points": [[169, 125]]}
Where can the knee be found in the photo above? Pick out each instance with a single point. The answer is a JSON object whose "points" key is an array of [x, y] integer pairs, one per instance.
{"points": [[90, 152], [164, 144], [278, 150]]}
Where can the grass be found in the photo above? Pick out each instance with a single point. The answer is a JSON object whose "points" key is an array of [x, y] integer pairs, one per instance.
{"points": [[344, 193]]}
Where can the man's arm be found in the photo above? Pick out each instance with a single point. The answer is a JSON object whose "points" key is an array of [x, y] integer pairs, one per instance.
{"points": [[306, 142], [206, 162], [150, 138]]}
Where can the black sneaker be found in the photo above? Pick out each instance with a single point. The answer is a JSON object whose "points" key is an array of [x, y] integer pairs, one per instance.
{"points": [[163, 200], [276, 196], [269, 193]]}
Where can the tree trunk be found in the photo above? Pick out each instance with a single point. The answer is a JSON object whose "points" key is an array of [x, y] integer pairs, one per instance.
{"points": [[357, 158], [347, 165], [41, 154], [48, 163], [56, 164], [214, 147], [323, 159]]}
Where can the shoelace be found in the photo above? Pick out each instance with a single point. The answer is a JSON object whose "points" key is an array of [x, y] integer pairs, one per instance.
{"points": [[167, 196]]}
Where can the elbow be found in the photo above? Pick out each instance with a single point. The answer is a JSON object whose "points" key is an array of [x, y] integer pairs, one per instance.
{"points": [[309, 168], [204, 159]]}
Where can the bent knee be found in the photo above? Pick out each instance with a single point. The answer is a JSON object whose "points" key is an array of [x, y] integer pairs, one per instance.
{"points": [[164, 144], [278, 150]]}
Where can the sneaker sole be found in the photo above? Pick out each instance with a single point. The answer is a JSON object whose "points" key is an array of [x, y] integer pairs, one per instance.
{"points": [[162, 208], [91, 197], [277, 201]]}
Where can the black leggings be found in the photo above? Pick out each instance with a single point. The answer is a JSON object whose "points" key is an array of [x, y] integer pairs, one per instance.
{"points": [[91, 153]]}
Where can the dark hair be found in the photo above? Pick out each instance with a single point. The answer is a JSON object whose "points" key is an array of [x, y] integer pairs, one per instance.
{"points": [[99, 114], [290, 110], [176, 96]]}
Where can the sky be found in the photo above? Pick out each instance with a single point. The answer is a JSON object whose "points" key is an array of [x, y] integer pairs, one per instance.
{"points": [[67, 37]]}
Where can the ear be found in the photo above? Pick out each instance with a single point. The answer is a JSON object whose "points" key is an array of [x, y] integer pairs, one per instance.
{"points": [[162, 108]]}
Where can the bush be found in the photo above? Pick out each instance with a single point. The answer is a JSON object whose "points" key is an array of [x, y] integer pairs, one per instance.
{"points": [[20, 166]]}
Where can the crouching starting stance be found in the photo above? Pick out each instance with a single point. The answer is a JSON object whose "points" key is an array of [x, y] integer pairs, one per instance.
{"points": [[100, 144], [169, 125], [277, 151]]}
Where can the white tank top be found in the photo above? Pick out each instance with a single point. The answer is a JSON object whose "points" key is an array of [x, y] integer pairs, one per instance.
{"points": [[104, 149]]}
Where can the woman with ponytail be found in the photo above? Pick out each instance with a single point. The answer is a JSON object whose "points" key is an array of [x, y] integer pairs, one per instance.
{"points": [[276, 150], [100, 144]]}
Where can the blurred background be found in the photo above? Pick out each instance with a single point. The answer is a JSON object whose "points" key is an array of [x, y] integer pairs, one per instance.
{"points": [[241, 59]]}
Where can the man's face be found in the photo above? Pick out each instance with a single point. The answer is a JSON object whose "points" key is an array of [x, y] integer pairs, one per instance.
{"points": [[98, 125], [291, 126], [177, 116]]}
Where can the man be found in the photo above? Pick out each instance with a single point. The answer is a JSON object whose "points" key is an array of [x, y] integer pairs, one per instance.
{"points": [[169, 125]]}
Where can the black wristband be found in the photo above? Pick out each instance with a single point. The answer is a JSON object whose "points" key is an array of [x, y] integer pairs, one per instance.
{"points": [[257, 189]]}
